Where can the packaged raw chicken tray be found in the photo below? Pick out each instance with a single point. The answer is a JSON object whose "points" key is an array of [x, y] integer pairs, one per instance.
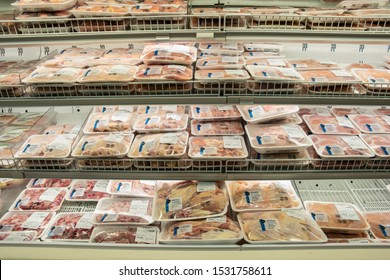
{"points": [[63, 129], [186, 200], [378, 143], [39, 200], [216, 128], [129, 56], [127, 211], [13, 134], [6, 156], [164, 73], [132, 188], [313, 64], [28, 119], [262, 195], [100, 11], [87, 190], [285, 226], [284, 159], [216, 230], [71, 226], [159, 10], [161, 109], [44, 17], [26, 221], [72, 62], [371, 123], [80, 52], [218, 148], [18, 236], [266, 113], [43, 75], [330, 125], [220, 62], [9, 85], [273, 62], [341, 111], [161, 123], [43, 5], [340, 147], [169, 54], [118, 121], [7, 118], [113, 109], [125, 235], [162, 145], [374, 80], [273, 139], [214, 112], [108, 74], [221, 75], [337, 217], [379, 223], [48, 183], [274, 74], [225, 49]]}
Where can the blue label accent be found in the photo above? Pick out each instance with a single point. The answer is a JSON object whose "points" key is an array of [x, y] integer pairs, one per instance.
{"points": [[137, 7], [313, 79], [26, 148], [384, 149], [201, 54], [209, 75], [255, 63], [85, 144], [104, 216], [264, 73], [167, 205], [96, 124], [373, 80], [147, 121], [110, 51], [199, 126], [369, 127], [17, 204], [204, 63], [146, 71], [104, 109], [156, 52], [247, 197], [313, 216], [71, 195], [258, 138], [251, 54], [147, 109], [119, 187], [250, 112], [383, 230], [295, 65], [197, 109], [175, 230], [141, 146], [202, 150], [35, 181], [262, 225], [51, 230], [87, 73], [208, 46], [323, 127], [258, 156], [329, 150]]}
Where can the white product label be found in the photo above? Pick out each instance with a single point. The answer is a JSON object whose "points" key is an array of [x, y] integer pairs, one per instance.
{"points": [[180, 68], [237, 73], [341, 73], [182, 229], [300, 65], [75, 130], [148, 145], [270, 74], [39, 182], [319, 79], [120, 116], [216, 75], [252, 196], [105, 109], [205, 186], [354, 142], [62, 142], [289, 72], [126, 108], [12, 134], [270, 224], [146, 235], [144, 7], [327, 62], [118, 138], [328, 128], [373, 127], [169, 138], [57, 230], [358, 241], [101, 186], [230, 46], [386, 119], [174, 204], [119, 69], [378, 80], [209, 62], [109, 217], [153, 120], [232, 10], [232, 142], [148, 182], [293, 131], [169, 108], [205, 126], [225, 107], [265, 139], [17, 236], [35, 220], [347, 212], [335, 150], [343, 121], [124, 187], [296, 214], [85, 222], [209, 150], [152, 110], [320, 217], [322, 112], [78, 192], [220, 219], [67, 71], [139, 207], [49, 195], [202, 110], [172, 116], [5, 228], [276, 62], [230, 59], [153, 71], [256, 111]]}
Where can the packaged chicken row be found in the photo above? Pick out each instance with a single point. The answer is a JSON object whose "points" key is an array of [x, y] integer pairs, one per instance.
{"points": [[371, 124], [330, 125]]}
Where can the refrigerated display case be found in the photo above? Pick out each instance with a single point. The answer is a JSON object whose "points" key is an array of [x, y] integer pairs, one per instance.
{"points": [[332, 38]]}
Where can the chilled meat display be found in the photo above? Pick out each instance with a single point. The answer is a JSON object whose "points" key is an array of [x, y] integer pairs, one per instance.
{"points": [[220, 62], [312, 64], [49, 183], [108, 73], [330, 125], [161, 123], [380, 224], [99, 11], [221, 75], [371, 124], [374, 80], [161, 109], [337, 217], [43, 75], [132, 188], [272, 62], [18, 236], [262, 195], [266, 113], [185, 200], [118, 121], [274, 74], [224, 49], [216, 128], [286, 226], [49, 199], [214, 112], [378, 143], [163, 73], [169, 54], [70, 226], [88, 190], [217, 147], [125, 235]]}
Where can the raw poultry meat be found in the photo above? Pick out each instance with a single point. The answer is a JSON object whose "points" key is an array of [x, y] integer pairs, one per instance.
{"points": [[330, 125], [49, 183], [350, 111], [161, 122], [216, 128], [7, 118], [312, 64], [269, 138], [262, 195], [225, 49], [377, 80], [359, 66], [118, 121], [371, 123], [123, 53], [272, 62], [70, 226], [132, 188], [158, 9], [379, 143], [125, 235], [40, 199], [157, 109], [214, 112], [219, 228], [62, 129], [27, 221], [162, 145], [183, 200], [72, 62], [80, 52], [112, 109], [220, 75], [88, 190], [274, 74], [114, 145], [218, 147], [380, 224], [280, 159], [382, 111], [221, 62], [108, 73], [163, 73], [53, 75], [9, 79], [99, 11], [346, 147], [18, 236], [295, 226], [337, 217], [46, 146], [124, 211], [169, 54], [266, 113]]}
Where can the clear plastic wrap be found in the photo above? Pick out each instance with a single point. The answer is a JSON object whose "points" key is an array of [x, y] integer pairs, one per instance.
{"points": [[108, 74], [158, 109], [125, 235], [186, 200], [43, 5], [216, 128], [270, 139], [214, 112], [158, 9], [48, 199], [112, 109], [63, 129], [72, 62], [48, 183], [337, 217], [161, 123], [371, 123], [341, 111], [230, 49], [13, 134], [116, 122], [131, 56], [330, 125], [221, 75], [382, 111], [6, 118], [132, 188], [43, 75], [169, 54], [218, 148], [28, 119], [378, 143], [164, 73], [220, 62], [99, 11], [80, 52], [286, 226], [88, 190], [265, 113], [379, 223], [312, 64], [274, 74], [18, 236], [262, 195], [269, 62], [127, 211]]}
